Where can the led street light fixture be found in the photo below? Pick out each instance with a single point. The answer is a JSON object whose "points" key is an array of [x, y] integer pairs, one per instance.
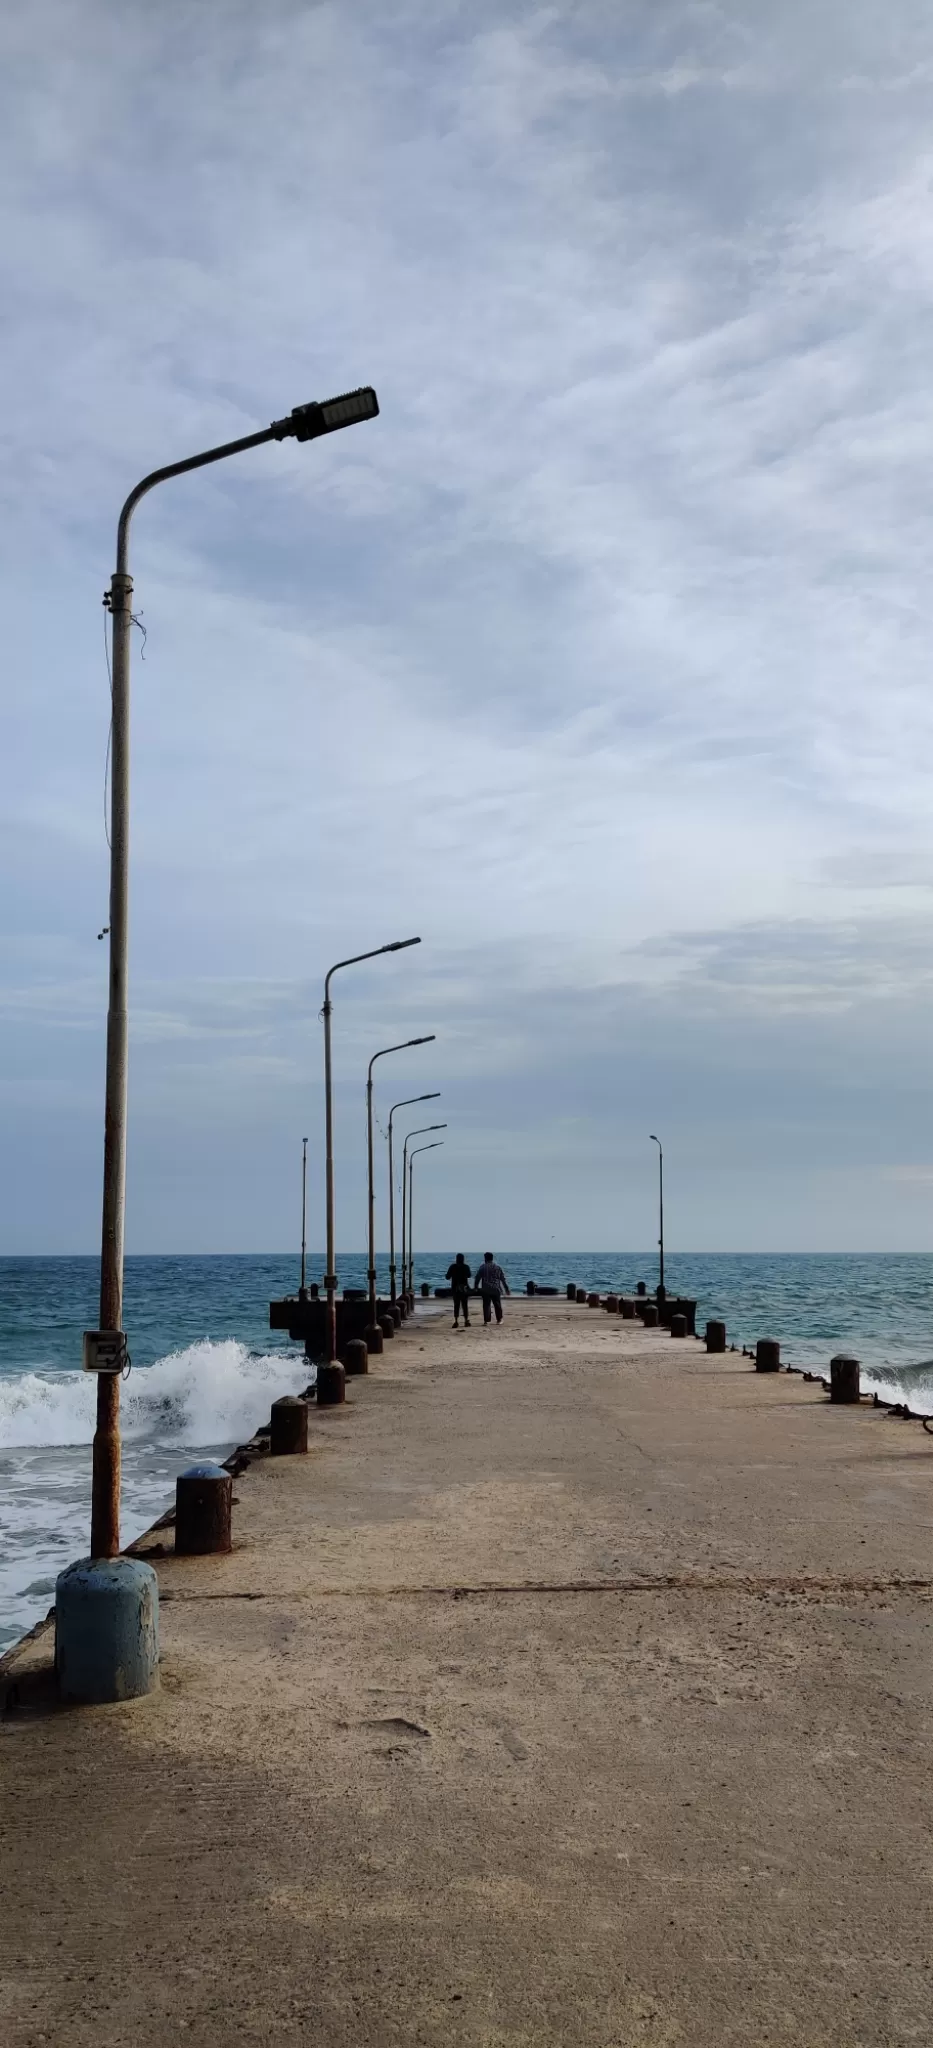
{"points": [[307, 422]]}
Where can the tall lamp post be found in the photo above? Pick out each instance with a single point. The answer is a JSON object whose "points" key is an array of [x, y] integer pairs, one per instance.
{"points": [[406, 1286], [105, 1349], [331, 1380], [302, 1288], [411, 1203], [407, 1104], [656, 1141], [374, 1331]]}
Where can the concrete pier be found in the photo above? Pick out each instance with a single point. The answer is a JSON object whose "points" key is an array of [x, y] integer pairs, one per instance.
{"points": [[574, 1689]]}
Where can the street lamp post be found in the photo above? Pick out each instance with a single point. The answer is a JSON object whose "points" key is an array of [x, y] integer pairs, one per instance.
{"points": [[661, 1287], [105, 1349], [420, 1133], [303, 1219], [374, 1330], [331, 1381], [407, 1104], [411, 1203]]}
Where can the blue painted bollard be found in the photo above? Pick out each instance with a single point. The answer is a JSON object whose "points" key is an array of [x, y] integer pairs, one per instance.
{"points": [[203, 1500], [106, 1630]]}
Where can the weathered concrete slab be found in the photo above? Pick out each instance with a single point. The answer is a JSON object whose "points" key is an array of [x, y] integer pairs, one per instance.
{"points": [[573, 1689]]}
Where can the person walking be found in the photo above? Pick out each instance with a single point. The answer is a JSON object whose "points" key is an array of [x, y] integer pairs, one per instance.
{"points": [[491, 1282], [459, 1276]]}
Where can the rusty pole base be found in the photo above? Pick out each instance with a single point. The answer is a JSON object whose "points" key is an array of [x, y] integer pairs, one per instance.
{"points": [[288, 1432], [331, 1384], [356, 1355], [844, 1378], [203, 1500]]}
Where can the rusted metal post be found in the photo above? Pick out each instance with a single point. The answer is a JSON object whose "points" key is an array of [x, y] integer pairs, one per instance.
{"points": [[203, 1502], [715, 1336], [678, 1325], [767, 1355], [356, 1355], [844, 1378], [288, 1432]]}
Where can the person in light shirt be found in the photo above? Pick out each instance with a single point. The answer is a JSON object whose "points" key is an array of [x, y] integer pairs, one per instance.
{"points": [[492, 1284]]}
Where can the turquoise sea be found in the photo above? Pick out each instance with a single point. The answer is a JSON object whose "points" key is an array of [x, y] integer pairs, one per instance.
{"points": [[205, 1364]]}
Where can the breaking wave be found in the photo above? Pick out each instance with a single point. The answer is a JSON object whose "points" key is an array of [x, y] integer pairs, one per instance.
{"points": [[208, 1393]]}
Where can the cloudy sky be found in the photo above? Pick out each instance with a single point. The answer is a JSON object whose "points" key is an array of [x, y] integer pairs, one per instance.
{"points": [[601, 660]]}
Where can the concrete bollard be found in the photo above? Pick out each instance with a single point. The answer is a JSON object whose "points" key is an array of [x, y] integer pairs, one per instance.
{"points": [[767, 1355], [396, 1314], [331, 1385], [106, 1630], [649, 1315], [678, 1325], [571, 1290], [288, 1435], [627, 1308], [844, 1378], [203, 1499], [715, 1336], [592, 1301], [581, 1297], [372, 1338], [611, 1304], [387, 1326], [356, 1355]]}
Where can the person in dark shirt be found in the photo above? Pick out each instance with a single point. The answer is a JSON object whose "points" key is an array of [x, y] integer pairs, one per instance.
{"points": [[459, 1276], [491, 1282]]}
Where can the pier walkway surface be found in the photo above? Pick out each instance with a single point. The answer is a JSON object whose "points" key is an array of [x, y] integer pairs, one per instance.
{"points": [[575, 1688]]}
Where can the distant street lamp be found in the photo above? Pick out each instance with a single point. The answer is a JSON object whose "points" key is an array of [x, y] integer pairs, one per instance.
{"points": [[429, 1040], [105, 1349], [407, 1104], [331, 1380], [656, 1141], [302, 1289], [412, 1134], [411, 1203]]}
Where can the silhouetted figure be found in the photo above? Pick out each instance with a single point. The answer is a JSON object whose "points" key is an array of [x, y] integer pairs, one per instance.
{"points": [[492, 1283], [459, 1276]]}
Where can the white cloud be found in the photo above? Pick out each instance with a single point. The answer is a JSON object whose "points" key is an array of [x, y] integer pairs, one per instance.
{"points": [[604, 650]]}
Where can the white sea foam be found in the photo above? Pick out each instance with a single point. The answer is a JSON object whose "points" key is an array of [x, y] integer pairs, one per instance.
{"points": [[209, 1393]]}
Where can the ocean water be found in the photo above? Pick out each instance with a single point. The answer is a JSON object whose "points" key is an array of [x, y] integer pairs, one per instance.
{"points": [[206, 1366]]}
